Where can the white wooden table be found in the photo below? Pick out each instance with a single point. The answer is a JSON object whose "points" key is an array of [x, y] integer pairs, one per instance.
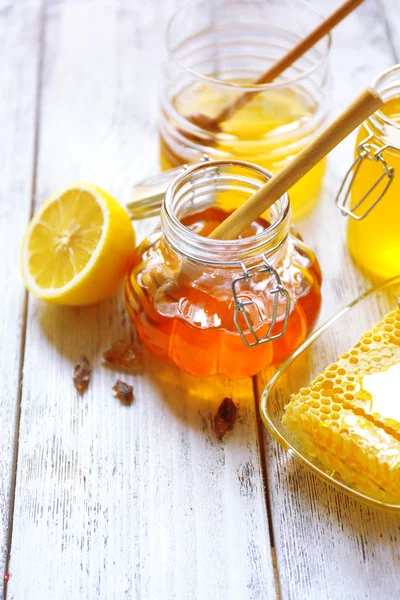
{"points": [[103, 501]]}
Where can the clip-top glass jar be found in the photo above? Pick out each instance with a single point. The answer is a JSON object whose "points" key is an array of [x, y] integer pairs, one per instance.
{"points": [[213, 306], [370, 191], [216, 51]]}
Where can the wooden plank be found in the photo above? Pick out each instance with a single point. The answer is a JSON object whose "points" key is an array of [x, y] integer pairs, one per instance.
{"points": [[141, 502], [19, 54], [327, 545], [391, 14]]}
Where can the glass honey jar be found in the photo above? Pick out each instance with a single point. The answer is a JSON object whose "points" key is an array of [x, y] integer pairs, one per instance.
{"points": [[216, 50], [370, 192], [227, 307]]}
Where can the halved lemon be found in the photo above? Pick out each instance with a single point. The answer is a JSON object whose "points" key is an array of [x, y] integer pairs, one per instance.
{"points": [[78, 246]]}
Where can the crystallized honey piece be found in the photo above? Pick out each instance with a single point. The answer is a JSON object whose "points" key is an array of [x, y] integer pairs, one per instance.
{"points": [[349, 416]]}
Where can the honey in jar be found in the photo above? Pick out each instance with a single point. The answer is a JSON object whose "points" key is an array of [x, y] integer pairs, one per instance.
{"points": [[208, 68], [370, 196], [227, 307]]}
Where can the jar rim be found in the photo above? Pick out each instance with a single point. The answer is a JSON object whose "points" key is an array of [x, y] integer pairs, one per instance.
{"points": [[198, 247], [240, 86]]}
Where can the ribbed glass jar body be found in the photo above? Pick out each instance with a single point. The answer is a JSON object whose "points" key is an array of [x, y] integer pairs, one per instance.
{"points": [[180, 293], [374, 241]]}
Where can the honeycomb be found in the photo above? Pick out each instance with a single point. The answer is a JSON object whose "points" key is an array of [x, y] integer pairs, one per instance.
{"points": [[337, 421]]}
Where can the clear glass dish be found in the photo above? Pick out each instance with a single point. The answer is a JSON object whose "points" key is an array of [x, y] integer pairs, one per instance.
{"points": [[321, 349]]}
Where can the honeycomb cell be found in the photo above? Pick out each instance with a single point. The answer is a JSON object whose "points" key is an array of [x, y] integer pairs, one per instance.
{"points": [[327, 384], [305, 392], [326, 393]]}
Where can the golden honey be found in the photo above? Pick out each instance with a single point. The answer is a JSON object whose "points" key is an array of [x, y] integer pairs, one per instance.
{"points": [[269, 131], [216, 51], [374, 242], [374, 238], [196, 329], [180, 292]]}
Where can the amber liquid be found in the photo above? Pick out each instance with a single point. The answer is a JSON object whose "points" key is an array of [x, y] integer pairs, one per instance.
{"points": [[268, 131], [374, 241], [204, 351]]}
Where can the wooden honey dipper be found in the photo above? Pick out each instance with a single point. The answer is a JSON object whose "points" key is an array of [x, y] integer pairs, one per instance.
{"points": [[147, 197], [212, 124], [360, 109]]}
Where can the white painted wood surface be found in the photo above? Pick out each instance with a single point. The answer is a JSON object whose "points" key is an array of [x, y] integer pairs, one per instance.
{"points": [[111, 501], [142, 502], [19, 54]]}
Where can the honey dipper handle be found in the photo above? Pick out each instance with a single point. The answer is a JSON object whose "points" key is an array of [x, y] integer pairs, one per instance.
{"points": [[288, 59], [359, 110]]}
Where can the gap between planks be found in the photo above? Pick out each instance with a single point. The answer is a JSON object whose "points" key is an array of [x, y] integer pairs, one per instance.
{"points": [[265, 480], [18, 542], [383, 4]]}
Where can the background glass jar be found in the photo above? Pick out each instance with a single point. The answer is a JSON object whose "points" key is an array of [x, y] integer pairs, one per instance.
{"points": [[215, 51], [371, 192], [186, 292]]}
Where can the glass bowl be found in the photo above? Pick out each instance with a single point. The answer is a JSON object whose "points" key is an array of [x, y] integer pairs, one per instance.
{"points": [[321, 349]]}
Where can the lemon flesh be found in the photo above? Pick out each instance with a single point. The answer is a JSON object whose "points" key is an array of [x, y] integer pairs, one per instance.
{"points": [[78, 247]]}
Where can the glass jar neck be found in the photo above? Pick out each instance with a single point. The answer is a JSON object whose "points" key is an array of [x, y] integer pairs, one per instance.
{"points": [[384, 128], [212, 184], [221, 42]]}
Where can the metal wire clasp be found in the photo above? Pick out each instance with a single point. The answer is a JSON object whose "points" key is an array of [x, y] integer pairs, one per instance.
{"points": [[366, 151], [279, 291]]}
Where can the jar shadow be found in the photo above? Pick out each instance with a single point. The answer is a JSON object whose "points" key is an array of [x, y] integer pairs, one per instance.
{"points": [[88, 330], [194, 400]]}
